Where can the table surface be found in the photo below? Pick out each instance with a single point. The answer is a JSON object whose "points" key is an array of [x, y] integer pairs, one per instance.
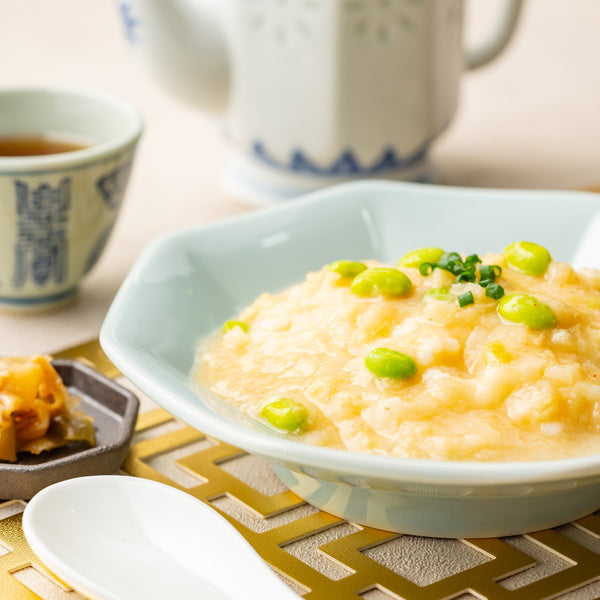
{"points": [[529, 120]]}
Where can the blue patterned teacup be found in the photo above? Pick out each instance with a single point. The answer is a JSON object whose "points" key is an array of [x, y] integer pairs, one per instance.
{"points": [[57, 210]]}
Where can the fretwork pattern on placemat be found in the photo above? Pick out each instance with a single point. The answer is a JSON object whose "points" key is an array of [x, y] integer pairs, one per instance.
{"points": [[319, 555]]}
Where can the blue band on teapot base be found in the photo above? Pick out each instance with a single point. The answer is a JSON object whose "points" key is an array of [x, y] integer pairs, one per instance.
{"points": [[256, 182], [346, 164]]}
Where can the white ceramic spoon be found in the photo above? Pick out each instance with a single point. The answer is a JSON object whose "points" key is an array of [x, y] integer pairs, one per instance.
{"points": [[115, 537]]}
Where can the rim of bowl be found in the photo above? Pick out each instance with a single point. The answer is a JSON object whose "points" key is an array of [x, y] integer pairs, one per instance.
{"points": [[96, 150]]}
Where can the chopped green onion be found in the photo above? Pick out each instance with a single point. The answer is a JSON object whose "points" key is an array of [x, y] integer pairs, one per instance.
{"points": [[448, 258], [466, 272], [456, 268], [472, 260], [466, 299], [487, 273], [495, 291], [426, 268], [466, 277], [452, 262]]}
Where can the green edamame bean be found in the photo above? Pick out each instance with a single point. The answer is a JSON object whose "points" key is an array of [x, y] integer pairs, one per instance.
{"points": [[527, 257], [390, 364], [381, 280], [417, 257], [229, 325], [347, 268], [527, 310], [286, 414]]}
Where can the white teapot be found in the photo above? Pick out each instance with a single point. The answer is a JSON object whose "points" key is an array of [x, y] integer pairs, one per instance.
{"points": [[314, 92]]}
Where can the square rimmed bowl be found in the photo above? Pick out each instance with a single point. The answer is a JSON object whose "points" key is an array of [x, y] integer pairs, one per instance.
{"points": [[187, 283], [114, 410]]}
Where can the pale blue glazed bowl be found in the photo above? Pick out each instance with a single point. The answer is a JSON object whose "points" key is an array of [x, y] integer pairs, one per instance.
{"points": [[189, 282]]}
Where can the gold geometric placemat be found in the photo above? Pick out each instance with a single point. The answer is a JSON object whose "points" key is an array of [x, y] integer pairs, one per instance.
{"points": [[320, 556]]}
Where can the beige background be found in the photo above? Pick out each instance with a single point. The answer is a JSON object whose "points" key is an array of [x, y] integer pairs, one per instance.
{"points": [[531, 119]]}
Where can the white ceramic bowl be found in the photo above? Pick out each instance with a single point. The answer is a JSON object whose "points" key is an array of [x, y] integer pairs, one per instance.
{"points": [[189, 282]]}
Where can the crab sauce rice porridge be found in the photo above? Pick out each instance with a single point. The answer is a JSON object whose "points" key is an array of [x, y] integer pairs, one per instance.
{"points": [[442, 356]]}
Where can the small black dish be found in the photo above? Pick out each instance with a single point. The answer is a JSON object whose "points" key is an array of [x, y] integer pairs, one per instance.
{"points": [[114, 410]]}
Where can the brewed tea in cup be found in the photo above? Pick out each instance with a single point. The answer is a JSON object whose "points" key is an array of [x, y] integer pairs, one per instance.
{"points": [[40, 144]]}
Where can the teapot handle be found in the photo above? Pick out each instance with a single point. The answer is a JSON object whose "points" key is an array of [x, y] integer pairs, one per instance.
{"points": [[488, 50]]}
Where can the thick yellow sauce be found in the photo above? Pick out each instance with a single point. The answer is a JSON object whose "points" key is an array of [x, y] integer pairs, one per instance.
{"points": [[485, 389]]}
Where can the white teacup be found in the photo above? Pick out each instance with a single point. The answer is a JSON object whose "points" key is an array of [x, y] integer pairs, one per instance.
{"points": [[57, 210], [314, 92]]}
